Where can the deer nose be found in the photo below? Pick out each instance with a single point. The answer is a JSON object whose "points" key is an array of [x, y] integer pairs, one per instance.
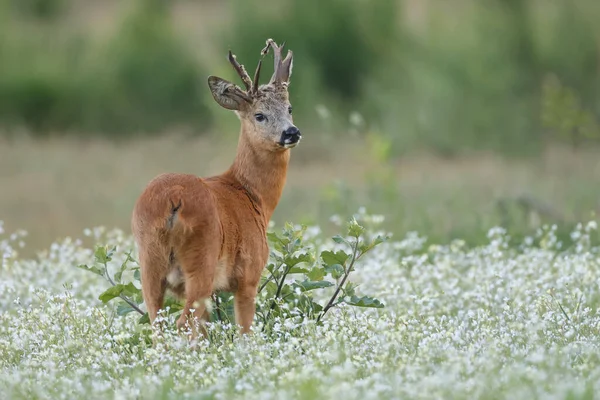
{"points": [[290, 136], [292, 131]]}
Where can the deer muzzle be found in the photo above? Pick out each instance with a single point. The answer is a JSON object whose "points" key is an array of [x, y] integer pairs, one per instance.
{"points": [[290, 137]]}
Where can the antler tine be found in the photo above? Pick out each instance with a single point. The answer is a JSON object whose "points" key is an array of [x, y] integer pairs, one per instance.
{"points": [[241, 71], [276, 62], [281, 67], [285, 69], [256, 77]]}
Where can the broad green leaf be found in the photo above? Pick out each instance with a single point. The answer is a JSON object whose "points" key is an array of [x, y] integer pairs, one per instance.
{"points": [[124, 308], [302, 258], [311, 285], [331, 258], [340, 240], [349, 289], [379, 239], [95, 270], [364, 301], [101, 255], [277, 240], [173, 304], [137, 276], [316, 273], [316, 307], [364, 247], [111, 293], [273, 237], [117, 290], [336, 271], [144, 319], [270, 289], [298, 270], [354, 229], [137, 297], [119, 273]]}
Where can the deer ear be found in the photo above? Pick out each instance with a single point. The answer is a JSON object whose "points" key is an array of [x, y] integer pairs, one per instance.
{"points": [[227, 94]]}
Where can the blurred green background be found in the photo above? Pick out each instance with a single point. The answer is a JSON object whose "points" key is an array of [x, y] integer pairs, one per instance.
{"points": [[447, 117]]}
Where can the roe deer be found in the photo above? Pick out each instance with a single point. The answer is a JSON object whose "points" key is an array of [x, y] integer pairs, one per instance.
{"points": [[199, 235]]}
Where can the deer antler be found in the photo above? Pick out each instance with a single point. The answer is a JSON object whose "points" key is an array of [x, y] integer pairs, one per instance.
{"points": [[241, 71], [256, 77], [282, 69], [281, 72]]}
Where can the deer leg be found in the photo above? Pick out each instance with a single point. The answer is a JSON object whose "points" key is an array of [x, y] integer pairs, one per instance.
{"points": [[245, 306], [154, 284], [198, 265], [197, 291]]}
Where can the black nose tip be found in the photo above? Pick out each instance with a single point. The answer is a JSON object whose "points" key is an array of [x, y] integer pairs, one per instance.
{"points": [[292, 131], [290, 136]]}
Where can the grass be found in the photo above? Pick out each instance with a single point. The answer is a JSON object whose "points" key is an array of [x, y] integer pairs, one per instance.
{"points": [[461, 322], [57, 187]]}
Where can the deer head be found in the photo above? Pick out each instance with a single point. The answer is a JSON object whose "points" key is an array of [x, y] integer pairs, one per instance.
{"points": [[264, 110]]}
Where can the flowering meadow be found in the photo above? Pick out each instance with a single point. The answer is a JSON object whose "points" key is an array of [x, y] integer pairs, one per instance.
{"points": [[507, 320]]}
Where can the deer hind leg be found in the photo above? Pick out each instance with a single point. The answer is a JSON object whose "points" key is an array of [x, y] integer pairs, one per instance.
{"points": [[198, 266], [153, 273], [244, 305]]}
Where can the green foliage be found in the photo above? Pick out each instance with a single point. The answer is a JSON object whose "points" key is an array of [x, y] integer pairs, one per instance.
{"points": [[287, 289], [284, 299], [40, 9], [563, 113], [340, 42], [415, 81], [148, 80], [141, 80]]}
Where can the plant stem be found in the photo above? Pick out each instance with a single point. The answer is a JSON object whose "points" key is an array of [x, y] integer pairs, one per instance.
{"points": [[269, 278], [339, 287], [132, 304], [124, 298], [279, 288], [218, 305]]}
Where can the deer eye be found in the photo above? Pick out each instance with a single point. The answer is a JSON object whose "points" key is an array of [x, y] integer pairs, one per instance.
{"points": [[260, 117], [290, 109]]}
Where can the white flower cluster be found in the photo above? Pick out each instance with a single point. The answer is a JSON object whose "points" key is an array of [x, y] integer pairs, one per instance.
{"points": [[496, 321]]}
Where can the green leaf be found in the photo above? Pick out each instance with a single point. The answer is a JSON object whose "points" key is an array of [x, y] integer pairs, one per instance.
{"points": [[270, 289], [340, 240], [379, 239], [316, 274], [273, 237], [298, 270], [302, 258], [312, 285], [101, 255], [124, 308], [136, 275], [95, 270], [278, 240], [364, 247], [117, 290], [349, 290], [144, 319], [173, 304], [354, 229], [119, 274], [364, 301], [331, 258], [336, 271]]}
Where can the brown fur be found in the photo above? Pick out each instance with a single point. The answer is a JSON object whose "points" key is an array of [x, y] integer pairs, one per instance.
{"points": [[198, 235]]}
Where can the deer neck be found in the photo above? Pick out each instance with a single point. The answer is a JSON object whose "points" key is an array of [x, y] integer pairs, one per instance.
{"points": [[262, 172]]}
